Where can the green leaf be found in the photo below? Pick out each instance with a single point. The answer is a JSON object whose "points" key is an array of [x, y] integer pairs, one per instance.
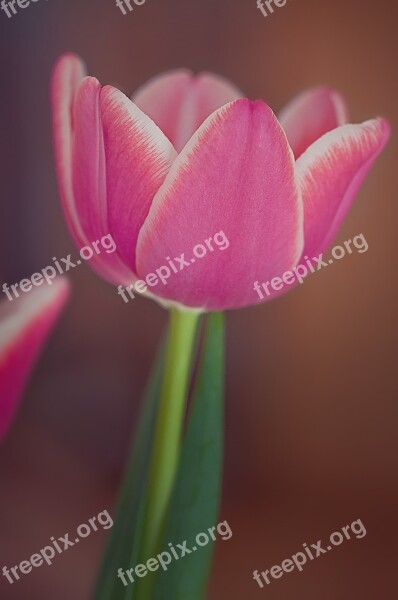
{"points": [[196, 497], [124, 542]]}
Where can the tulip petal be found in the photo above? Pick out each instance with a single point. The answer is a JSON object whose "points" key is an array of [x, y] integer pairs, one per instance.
{"points": [[67, 76], [24, 326], [88, 161], [138, 157], [67, 80], [330, 173], [89, 181], [236, 176], [310, 115], [179, 102]]}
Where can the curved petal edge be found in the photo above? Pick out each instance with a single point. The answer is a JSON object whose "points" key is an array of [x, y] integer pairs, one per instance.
{"points": [[330, 173], [25, 324]]}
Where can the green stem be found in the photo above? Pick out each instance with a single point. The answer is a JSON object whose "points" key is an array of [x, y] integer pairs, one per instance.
{"points": [[168, 434]]}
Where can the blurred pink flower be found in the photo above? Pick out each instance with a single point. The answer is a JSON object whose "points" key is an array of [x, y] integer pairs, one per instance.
{"points": [[24, 326], [188, 157]]}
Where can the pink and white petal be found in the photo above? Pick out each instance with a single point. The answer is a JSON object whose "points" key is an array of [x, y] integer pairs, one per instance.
{"points": [[235, 176], [67, 77], [67, 80], [89, 173], [330, 173], [138, 157], [25, 324], [179, 102], [90, 182], [310, 115]]}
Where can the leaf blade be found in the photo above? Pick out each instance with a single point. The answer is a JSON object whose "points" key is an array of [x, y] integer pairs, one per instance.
{"points": [[120, 550]]}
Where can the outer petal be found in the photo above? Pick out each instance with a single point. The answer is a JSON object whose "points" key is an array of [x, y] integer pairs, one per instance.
{"points": [[310, 115], [179, 102], [90, 181], [138, 157], [24, 326], [66, 87], [67, 76], [88, 161], [236, 175], [330, 173]]}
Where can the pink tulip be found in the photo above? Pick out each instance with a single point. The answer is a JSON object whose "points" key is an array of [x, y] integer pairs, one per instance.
{"points": [[189, 157], [24, 326]]}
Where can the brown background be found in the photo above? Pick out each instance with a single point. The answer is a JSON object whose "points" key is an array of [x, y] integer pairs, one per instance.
{"points": [[311, 396]]}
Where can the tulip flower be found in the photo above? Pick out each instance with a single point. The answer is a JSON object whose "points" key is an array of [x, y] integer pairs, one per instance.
{"points": [[25, 324], [187, 157]]}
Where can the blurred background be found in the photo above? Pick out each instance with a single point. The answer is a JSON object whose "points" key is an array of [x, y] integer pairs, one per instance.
{"points": [[311, 402]]}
